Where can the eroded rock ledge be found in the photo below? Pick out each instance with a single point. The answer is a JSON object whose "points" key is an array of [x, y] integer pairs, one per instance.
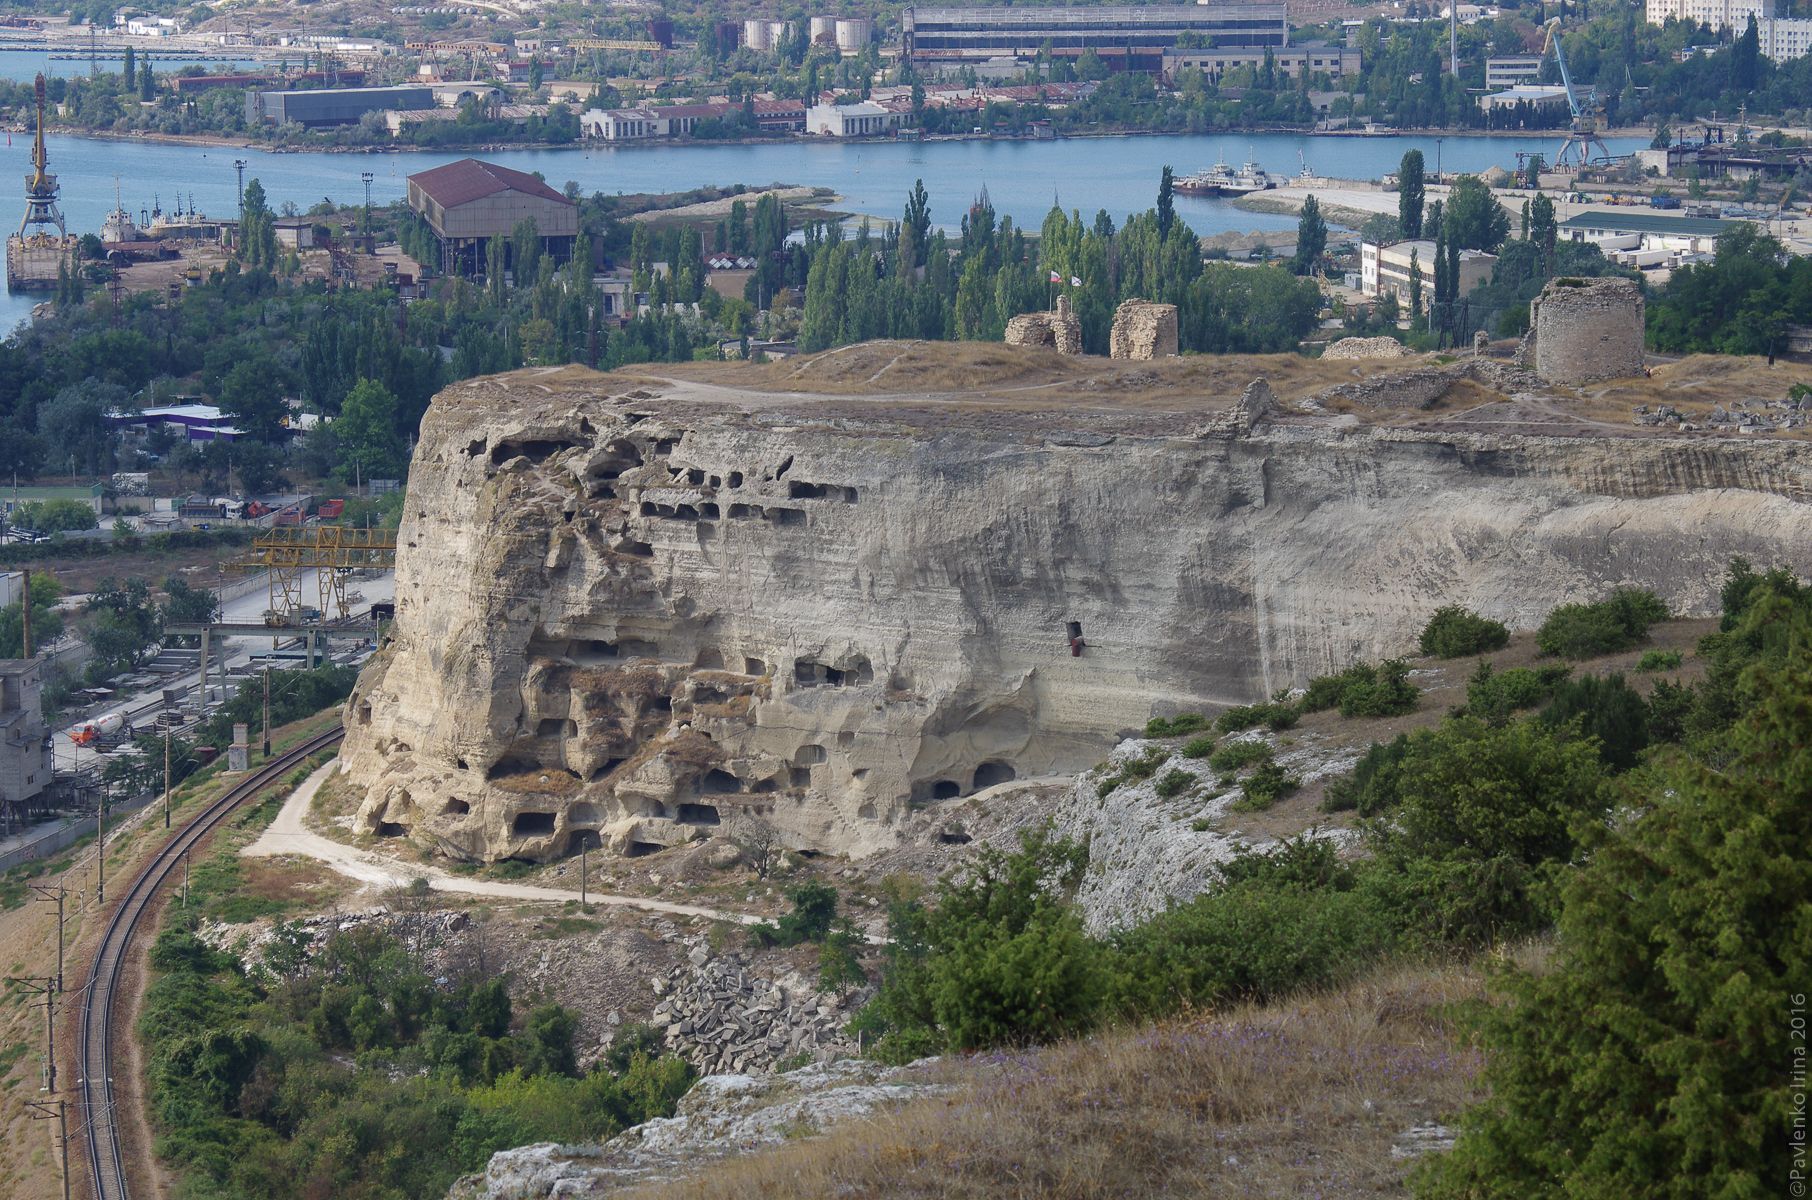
{"points": [[632, 609]]}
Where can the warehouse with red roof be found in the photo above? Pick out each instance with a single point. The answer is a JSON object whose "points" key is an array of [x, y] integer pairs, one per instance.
{"points": [[469, 202]]}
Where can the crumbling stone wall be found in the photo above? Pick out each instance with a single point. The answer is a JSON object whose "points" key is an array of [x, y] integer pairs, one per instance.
{"points": [[1059, 329], [1143, 330], [1587, 330]]}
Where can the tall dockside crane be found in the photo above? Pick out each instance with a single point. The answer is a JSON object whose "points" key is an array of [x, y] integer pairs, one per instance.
{"points": [[1583, 146]]}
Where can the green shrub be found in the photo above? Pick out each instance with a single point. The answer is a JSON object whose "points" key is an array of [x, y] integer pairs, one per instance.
{"points": [[1588, 630], [1277, 715], [1237, 755], [1200, 747], [1174, 783], [1265, 787], [1660, 660], [1454, 632], [1493, 696], [1145, 765], [1177, 726], [1605, 708], [1485, 820], [814, 912], [1107, 785], [1671, 932], [1364, 690], [1372, 787]]}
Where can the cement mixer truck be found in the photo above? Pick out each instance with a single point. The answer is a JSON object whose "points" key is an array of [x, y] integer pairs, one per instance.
{"points": [[105, 728]]}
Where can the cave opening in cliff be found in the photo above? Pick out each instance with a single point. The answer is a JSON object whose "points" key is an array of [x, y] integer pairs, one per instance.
{"points": [[536, 450], [718, 782], [456, 808], [709, 511], [946, 789], [953, 837], [786, 516], [800, 777], [735, 479], [364, 717], [642, 849], [708, 659], [603, 769], [583, 839], [532, 824], [582, 813], [556, 727], [809, 754], [390, 829], [699, 814], [994, 772], [754, 666]]}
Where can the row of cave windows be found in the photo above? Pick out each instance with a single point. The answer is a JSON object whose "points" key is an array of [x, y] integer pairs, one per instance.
{"points": [[856, 671], [539, 824]]}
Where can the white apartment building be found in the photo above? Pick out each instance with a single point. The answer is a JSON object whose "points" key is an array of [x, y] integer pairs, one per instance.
{"points": [[623, 124], [1512, 69], [1785, 38], [1386, 269], [1719, 14]]}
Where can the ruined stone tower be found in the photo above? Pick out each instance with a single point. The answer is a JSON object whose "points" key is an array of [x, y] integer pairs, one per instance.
{"points": [[1587, 330]]}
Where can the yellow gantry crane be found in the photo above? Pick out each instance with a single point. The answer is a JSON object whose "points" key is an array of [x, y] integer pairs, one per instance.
{"points": [[333, 552]]}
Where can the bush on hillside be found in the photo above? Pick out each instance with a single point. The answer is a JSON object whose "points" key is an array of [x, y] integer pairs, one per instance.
{"points": [[1607, 709], [1372, 787], [1613, 624], [1454, 632], [1495, 696], [1364, 690], [1484, 820], [1646, 1059], [1177, 726]]}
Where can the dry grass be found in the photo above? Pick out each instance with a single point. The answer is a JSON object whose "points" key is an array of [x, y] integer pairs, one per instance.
{"points": [[1300, 1099]]}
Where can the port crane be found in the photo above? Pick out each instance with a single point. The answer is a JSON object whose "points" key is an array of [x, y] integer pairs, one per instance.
{"points": [[1583, 146]]}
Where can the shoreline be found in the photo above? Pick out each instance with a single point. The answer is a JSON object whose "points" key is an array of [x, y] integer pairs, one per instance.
{"points": [[225, 142]]}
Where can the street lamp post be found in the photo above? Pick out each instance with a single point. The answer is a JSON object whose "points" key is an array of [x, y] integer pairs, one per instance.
{"points": [[239, 166]]}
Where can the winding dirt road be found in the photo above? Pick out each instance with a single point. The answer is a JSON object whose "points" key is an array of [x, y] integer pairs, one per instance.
{"points": [[288, 835]]}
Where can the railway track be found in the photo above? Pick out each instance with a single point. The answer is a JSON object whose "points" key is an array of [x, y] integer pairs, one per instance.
{"points": [[98, 1035]]}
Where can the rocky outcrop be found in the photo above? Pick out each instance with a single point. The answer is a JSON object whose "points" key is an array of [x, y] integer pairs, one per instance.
{"points": [[630, 611], [1367, 347], [1147, 851], [718, 1016], [1587, 330], [1143, 330], [720, 1116], [1059, 329]]}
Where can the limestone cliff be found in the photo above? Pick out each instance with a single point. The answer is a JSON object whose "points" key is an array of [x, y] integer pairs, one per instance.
{"points": [[630, 608]]}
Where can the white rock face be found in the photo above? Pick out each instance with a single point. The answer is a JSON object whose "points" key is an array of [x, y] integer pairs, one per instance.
{"points": [[1147, 852], [721, 1115], [624, 616]]}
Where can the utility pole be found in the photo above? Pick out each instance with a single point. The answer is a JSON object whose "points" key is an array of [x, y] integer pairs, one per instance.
{"points": [[25, 597], [239, 166], [56, 892], [267, 710], [166, 777], [100, 848], [366, 177], [583, 846], [44, 986], [44, 1110]]}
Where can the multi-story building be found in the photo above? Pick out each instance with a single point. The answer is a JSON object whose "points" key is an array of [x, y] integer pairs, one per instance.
{"points": [[1125, 37], [1512, 69], [1719, 14], [1785, 38], [1386, 269], [25, 756]]}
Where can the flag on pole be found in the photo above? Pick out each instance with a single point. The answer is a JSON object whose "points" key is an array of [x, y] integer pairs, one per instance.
{"points": [[1056, 277], [1075, 281]]}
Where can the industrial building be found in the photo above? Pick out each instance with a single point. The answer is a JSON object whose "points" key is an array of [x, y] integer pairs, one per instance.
{"points": [[1336, 62], [1125, 37], [469, 202], [1646, 231], [1535, 95], [25, 755], [1512, 69], [323, 107], [1386, 268], [866, 119]]}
